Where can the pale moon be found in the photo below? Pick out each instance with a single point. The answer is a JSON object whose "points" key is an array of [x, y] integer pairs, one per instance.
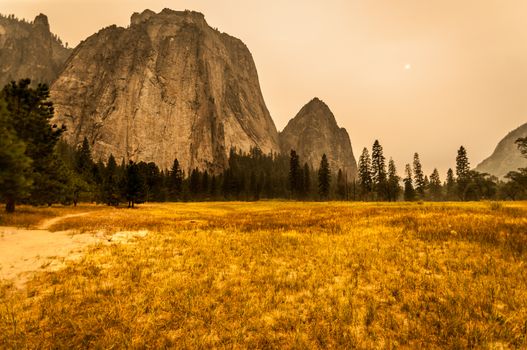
{"points": [[408, 66]]}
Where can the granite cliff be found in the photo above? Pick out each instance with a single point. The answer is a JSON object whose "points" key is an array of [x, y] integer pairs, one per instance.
{"points": [[167, 86], [313, 132], [29, 50]]}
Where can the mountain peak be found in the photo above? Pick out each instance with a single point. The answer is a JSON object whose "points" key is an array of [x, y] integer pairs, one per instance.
{"points": [[29, 50], [313, 132], [168, 15], [41, 20], [316, 102], [316, 109]]}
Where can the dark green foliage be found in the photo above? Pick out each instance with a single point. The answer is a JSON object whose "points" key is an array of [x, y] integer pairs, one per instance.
{"points": [[393, 187], [153, 182], [271, 176], [365, 174], [378, 172], [450, 185], [295, 176], [341, 186], [409, 191], [307, 180], [29, 114], [480, 186], [324, 177], [516, 187], [84, 164], [78, 188], [175, 182], [15, 165], [462, 173], [419, 178], [194, 183], [213, 187], [135, 187], [435, 186], [110, 186], [51, 184]]}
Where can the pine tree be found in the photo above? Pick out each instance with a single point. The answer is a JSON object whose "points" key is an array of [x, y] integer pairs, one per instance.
{"points": [[462, 172], [134, 185], [393, 182], [29, 114], [175, 181], [364, 173], [450, 184], [254, 186], [213, 187], [324, 177], [341, 185], [15, 165], [295, 175], [83, 161], [409, 192], [419, 177], [194, 183], [110, 186], [307, 180], [435, 186], [378, 171], [205, 183]]}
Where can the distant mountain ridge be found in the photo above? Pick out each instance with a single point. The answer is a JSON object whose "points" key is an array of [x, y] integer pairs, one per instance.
{"points": [[168, 86], [29, 50], [506, 157], [313, 132]]}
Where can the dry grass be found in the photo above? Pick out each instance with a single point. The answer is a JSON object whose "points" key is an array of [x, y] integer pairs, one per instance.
{"points": [[285, 275], [30, 217]]}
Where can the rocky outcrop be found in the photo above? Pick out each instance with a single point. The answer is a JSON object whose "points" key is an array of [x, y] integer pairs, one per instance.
{"points": [[313, 132], [29, 50], [506, 156], [167, 86]]}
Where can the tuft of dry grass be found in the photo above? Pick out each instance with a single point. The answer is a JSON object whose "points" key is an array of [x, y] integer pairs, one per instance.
{"points": [[285, 275]]}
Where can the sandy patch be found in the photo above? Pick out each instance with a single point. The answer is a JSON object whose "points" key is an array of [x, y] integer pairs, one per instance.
{"points": [[23, 252]]}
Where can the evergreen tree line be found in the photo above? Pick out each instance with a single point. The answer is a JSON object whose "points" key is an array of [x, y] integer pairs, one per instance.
{"points": [[249, 176], [37, 168], [377, 183]]}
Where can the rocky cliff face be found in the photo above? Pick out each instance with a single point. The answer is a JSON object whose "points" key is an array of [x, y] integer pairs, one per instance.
{"points": [[29, 50], [167, 86], [313, 132], [506, 156]]}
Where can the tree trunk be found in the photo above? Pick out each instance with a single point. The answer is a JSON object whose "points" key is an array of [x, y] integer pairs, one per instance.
{"points": [[10, 205]]}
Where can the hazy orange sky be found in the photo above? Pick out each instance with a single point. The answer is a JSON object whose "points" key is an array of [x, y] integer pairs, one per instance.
{"points": [[467, 82]]}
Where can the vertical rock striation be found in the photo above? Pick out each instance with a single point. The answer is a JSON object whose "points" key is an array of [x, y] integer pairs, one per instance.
{"points": [[167, 86]]}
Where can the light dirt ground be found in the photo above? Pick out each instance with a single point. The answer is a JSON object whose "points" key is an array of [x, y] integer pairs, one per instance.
{"points": [[23, 251]]}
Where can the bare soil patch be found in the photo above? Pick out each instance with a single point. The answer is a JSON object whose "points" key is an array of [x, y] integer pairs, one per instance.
{"points": [[25, 251]]}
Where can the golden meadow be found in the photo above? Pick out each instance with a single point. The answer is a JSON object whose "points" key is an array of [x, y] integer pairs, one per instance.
{"points": [[280, 275]]}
